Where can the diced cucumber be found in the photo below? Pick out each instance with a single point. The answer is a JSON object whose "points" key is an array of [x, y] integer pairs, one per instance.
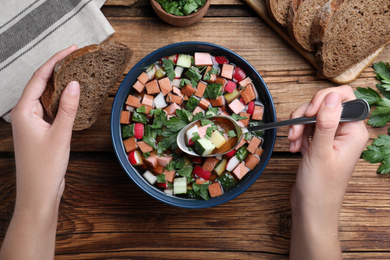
{"points": [[221, 166], [231, 96], [227, 181], [203, 146], [190, 132], [217, 139], [184, 60], [241, 153], [180, 185]]}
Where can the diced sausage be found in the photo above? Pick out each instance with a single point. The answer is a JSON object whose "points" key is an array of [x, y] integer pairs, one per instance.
{"points": [[144, 147], [200, 89], [245, 122], [133, 101], [188, 90], [204, 104], [151, 161], [245, 82], [219, 102], [236, 106], [258, 113], [147, 100], [174, 99], [215, 190], [254, 144], [210, 164], [158, 170], [241, 143], [213, 77], [169, 175], [240, 171], [152, 87], [143, 78], [125, 117], [171, 109], [139, 86], [227, 71], [248, 94], [164, 160], [202, 130], [197, 110], [130, 144], [259, 151], [203, 59], [177, 91], [251, 161], [165, 85]]}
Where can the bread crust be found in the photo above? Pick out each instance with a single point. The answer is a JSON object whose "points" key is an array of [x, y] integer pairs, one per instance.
{"points": [[278, 10], [346, 32], [87, 66]]}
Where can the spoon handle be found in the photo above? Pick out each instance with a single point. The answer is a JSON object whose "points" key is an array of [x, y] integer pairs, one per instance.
{"points": [[354, 110]]}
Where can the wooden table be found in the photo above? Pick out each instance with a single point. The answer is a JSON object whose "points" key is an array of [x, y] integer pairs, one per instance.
{"points": [[104, 215]]}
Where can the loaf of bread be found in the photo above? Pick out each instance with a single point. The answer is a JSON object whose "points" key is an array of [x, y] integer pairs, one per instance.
{"points": [[278, 10], [300, 19], [97, 68]]}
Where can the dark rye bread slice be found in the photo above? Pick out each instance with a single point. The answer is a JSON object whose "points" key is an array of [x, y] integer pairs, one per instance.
{"points": [[346, 32], [278, 10], [299, 21], [97, 68]]}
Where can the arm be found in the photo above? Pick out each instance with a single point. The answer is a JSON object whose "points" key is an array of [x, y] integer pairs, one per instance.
{"points": [[328, 162], [41, 156]]}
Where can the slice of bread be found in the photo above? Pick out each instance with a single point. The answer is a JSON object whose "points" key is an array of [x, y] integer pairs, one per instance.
{"points": [[345, 32], [97, 68], [299, 21], [278, 10]]}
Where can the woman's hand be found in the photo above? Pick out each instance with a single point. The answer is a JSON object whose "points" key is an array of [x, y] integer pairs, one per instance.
{"points": [[330, 152], [41, 154]]}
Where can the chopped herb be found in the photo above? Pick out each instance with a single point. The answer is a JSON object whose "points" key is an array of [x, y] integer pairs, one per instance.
{"points": [[182, 7], [212, 111], [241, 153], [198, 116], [161, 178], [127, 131], [192, 103], [213, 91], [213, 71], [139, 117], [184, 115], [204, 122], [248, 136], [259, 133], [379, 151], [185, 172], [202, 190], [231, 133], [184, 82], [168, 67], [238, 117], [149, 136], [193, 74], [146, 155], [141, 109]]}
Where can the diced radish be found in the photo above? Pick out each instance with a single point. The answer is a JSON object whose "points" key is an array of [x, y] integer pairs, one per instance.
{"points": [[159, 101], [221, 60], [232, 163], [174, 58], [135, 158], [251, 107], [196, 160], [230, 154], [239, 74], [163, 184], [190, 133], [200, 172], [138, 130], [230, 86], [242, 100], [150, 177], [178, 72], [190, 142]]}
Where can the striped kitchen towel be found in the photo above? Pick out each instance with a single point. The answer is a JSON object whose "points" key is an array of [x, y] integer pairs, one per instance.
{"points": [[31, 31]]}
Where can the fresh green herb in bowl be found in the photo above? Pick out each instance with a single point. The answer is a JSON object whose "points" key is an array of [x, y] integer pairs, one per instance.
{"points": [[181, 7]]}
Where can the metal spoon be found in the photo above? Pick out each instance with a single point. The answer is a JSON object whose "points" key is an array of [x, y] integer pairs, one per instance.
{"points": [[354, 110]]}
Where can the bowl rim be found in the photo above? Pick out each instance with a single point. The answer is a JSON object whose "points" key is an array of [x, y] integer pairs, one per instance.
{"points": [[123, 91]]}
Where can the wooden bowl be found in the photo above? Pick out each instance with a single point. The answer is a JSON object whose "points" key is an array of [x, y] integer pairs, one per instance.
{"points": [[180, 20]]}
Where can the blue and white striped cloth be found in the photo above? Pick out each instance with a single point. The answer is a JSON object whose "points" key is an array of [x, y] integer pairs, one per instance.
{"points": [[31, 31]]}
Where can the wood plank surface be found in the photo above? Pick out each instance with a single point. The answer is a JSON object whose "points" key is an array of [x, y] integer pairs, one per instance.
{"points": [[104, 215]]}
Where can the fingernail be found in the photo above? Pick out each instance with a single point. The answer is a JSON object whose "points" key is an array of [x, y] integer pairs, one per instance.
{"points": [[73, 88], [309, 108], [332, 100]]}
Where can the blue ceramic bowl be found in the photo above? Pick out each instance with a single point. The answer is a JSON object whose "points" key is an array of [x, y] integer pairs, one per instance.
{"points": [[190, 48]]}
